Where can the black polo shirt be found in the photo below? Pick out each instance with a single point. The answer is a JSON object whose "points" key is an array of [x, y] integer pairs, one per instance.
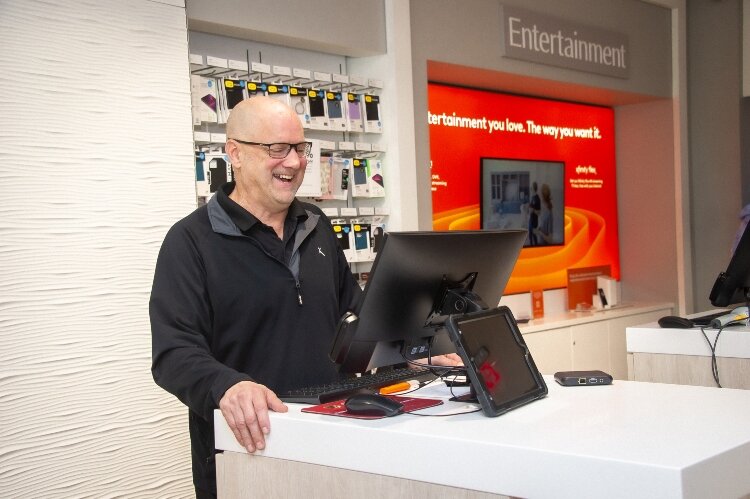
{"points": [[257, 230]]}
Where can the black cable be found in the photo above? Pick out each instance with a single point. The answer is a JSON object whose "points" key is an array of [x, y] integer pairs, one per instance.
{"points": [[714, 362], [444, 415], [453, 368], [431, 366], [446, 371], [714, 365]]}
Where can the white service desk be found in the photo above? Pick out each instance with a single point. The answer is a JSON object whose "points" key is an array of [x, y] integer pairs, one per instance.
{"points": [[682, 356], [626, 440]]}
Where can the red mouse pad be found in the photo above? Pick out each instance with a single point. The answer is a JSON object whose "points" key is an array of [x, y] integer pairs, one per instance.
{"points": [[337, 407]]}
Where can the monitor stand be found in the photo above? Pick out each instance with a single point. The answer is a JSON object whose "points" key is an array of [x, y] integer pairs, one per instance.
{"points": [[457, 297]]}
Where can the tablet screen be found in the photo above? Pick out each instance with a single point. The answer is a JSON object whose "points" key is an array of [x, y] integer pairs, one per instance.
{"points": [[498, 362]]}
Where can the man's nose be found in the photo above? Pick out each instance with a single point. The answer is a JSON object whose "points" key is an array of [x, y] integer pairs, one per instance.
{"points": [[293, 160]]}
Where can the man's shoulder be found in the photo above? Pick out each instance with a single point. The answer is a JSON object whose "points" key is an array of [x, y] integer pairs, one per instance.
{"points": [[195, 221], [198, 216]]}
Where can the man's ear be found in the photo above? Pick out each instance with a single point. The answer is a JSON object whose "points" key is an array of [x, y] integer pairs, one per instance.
{"points": [[233, 151]]}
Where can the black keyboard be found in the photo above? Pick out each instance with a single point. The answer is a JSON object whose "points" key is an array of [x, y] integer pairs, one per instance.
{"points": [[705, 320], [343, 388]]}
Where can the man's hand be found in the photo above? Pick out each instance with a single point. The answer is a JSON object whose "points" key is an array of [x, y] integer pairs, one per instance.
{"points": [[449, 359], [245, 407]]}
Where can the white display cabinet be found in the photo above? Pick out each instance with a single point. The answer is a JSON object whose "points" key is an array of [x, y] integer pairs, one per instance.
{"points": [[588, 340]]}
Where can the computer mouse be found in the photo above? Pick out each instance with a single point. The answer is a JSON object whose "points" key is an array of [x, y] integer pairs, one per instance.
{"points": [[676, 322], [372, 404]]}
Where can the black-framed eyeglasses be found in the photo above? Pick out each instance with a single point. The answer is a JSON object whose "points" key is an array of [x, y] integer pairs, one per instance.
{"points": [[280, 150]]}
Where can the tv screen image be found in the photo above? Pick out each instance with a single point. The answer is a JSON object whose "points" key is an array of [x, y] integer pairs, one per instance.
{"points": [[524, 194]]}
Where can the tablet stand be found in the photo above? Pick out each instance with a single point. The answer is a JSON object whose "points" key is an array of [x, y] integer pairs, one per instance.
{"points": [[457, 298]]}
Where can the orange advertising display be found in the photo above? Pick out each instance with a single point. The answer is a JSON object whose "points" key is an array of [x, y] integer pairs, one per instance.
{"points": [[506, 161]]}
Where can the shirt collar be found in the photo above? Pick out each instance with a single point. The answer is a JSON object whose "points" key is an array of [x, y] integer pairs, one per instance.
{"points": [[243, 219]]}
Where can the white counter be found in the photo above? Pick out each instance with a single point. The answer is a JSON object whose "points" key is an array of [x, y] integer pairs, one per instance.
{"points": [[628, 439], [650, 338], [683, 356]]}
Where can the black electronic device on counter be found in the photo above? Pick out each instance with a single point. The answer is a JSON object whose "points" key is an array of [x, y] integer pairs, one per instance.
{"points": [[498, 362], [675, 322], [583, 378], [373, 404]]}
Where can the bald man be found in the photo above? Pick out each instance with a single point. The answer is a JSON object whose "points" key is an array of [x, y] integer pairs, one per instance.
{"points": [[248, 289]]}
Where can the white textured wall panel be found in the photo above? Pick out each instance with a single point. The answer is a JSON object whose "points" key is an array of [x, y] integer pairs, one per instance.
{"points": [[95, 165]]}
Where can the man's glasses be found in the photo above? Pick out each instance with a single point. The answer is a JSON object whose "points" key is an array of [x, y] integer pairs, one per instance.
{"points": [[280, 150]]}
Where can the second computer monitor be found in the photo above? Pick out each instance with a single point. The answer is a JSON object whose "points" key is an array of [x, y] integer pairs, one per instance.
{"points": [[733, 286], [410, 277]]}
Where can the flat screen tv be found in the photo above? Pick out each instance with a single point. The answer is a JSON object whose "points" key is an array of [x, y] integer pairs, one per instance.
{"points": [[524, 194]]}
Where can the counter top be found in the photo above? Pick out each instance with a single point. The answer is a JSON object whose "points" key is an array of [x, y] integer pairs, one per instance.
{"points": [[734, 341], [628, 439]]}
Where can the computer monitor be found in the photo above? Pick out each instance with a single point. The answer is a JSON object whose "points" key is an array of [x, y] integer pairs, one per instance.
{"points": [[733, 285], [417, 279]]}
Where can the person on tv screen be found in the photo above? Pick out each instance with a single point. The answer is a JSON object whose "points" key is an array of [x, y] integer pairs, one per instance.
{"points": [[545, 228], [534, 207]]}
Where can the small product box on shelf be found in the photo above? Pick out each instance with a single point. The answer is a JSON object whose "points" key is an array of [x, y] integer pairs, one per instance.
{"points": [[318, 114], [354, 113], [376, 185], [233, 91], [335, 107], [340, 172], [360, 183], [298, 101], [216, 171], [372, 122], [205, 101], [362, 249], [344, 236]]}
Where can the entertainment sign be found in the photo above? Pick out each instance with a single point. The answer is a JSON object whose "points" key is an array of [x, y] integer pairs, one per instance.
{"points": [[533, 37]]}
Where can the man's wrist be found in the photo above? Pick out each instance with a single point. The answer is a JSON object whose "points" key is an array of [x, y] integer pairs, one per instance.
{"points": [[229, 382]]}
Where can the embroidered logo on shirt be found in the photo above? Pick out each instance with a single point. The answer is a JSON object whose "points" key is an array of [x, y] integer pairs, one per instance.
{"points": [[321, 251]]}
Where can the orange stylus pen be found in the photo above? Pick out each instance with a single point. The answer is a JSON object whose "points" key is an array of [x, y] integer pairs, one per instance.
{"points": [[398, 387]]}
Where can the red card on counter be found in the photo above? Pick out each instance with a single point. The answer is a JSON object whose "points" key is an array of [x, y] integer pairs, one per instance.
{"points": [[337, 407]]}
